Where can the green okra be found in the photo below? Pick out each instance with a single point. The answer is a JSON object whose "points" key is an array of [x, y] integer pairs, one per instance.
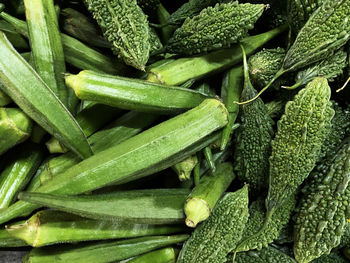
{"points": [[164, 255], [102, 252], [51, 227], [156, 206], [90, 120], [19, 80], [46, 46], [204, 196], [146, 153], [21, 164], [76, 53], [81, 27], [231, 89], [6, 240], [15, 127], [133, 94], [208, 155], [184, 168], [181, 70], [14, 37], [4, 99], [165, 31]]}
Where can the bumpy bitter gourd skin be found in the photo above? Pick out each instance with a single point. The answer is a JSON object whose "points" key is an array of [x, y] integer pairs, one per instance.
{"points": [[326, 31], [265, 255], [155, 43], [214, 28], [300, 134], [324, 211], [251, 239], [299, 12], [253, 145], [264, 65], [334, 257], [124, 25], [217, 236]]}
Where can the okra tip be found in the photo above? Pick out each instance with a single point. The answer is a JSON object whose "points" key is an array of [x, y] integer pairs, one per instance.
{"points": [[2, 7], [196, 210]]}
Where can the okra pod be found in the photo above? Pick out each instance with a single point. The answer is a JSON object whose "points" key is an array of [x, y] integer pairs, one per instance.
{"points": [[148, 152], [230, 92], [4, 99], [51, 227], [204, 196], [90, 120], [6, 240], [14, 37], [76, 53], [184, 69], [163, 16], [184, 168], [156, 206], [19, 80], [208, 154], [164, 255], [15, 127], [21, 164], [133, 94], [46, 46], [102, 252]]}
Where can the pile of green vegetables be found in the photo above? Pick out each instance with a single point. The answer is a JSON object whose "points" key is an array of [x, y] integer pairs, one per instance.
{"points": [[201, 131]]}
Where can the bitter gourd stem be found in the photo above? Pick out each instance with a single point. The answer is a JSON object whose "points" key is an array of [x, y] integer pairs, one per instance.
{"points": [[345, 84]]}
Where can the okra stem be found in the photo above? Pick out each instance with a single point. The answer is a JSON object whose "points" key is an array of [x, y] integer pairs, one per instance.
{"points": [[164, 255], [209, 158], [6, 240]]}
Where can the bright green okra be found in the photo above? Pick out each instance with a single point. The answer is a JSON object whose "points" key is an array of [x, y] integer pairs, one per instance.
{"points": [[21, 164], [150, 151], [52, 227], [19, 80], [156, 206], [6, 240], [133, 94], [102, 252], [4, 99], [178, 71], [164, 255], [15, 127], [14, 37], [201, 201]]}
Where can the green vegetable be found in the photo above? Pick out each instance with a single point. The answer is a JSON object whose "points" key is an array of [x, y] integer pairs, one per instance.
{"points": [[257, 235], [133, 94], [81, 27], [51, 227], [265, 255], [149, 7], [345, 239], [231, 89], [19, 80], [334, 257], [329, 68], [164, 255], [125, 26], [215, 28], [218, 235], [166, 31], [299, 11], [347, 253], [184, 168], [153, 150], [7, 240], [156, 206], [102, 252], [178, 71], [155, 43], [201, 201], [300, 134], [4, 99], [14, 37], [253, 138], [275, 108], [324, 212], [90, 120], [75, 52], [21, 164], [15, 127], [208, 155], [46, 46]]}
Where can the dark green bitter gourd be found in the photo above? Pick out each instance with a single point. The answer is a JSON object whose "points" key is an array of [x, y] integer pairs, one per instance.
{"points": [[324, 212], [218, 235], [214, 28], [124, 25], [334, 257], [265, 255], [253, 138]]}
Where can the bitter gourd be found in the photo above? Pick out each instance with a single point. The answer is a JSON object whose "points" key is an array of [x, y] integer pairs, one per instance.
{"points": [[264, 65], [253, 138], [299, 12], [266, 255], [324, 212], [275, 108], [329, 68], [217, 236], [334, 257], [124, 25], [300, 134], [214, 28], [345, 239], [252, 238], [155, 43]]}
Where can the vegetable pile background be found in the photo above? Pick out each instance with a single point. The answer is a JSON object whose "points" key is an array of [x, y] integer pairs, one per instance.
{"points": [[201, 131]]}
